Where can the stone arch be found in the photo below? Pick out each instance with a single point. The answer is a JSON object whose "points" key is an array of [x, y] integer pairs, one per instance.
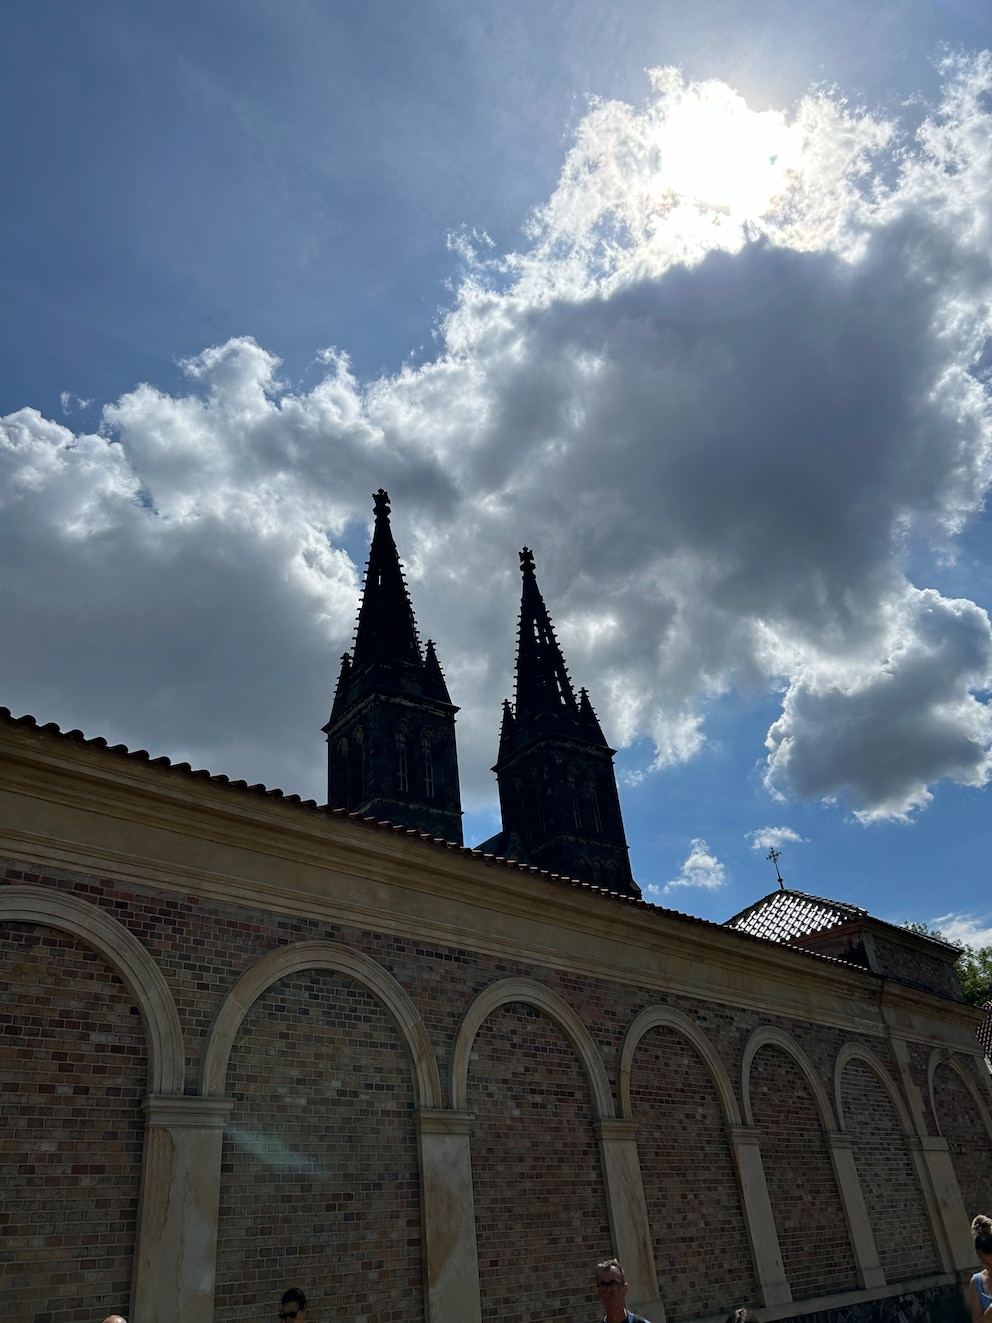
{"points": [[877, 1126], [855, 1052], [129, 960], [655, 1017], [299, 956], [962, 1118], [535, 994], [809, 1170], [676, 1095], [942, 1057], [768, 1035]]}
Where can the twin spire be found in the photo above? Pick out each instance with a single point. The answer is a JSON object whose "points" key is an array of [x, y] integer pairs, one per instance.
{"points": [[391, 735]]}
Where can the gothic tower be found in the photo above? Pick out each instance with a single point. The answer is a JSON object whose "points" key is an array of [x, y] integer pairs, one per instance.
{"points": [[557, 788], [391, 734]]}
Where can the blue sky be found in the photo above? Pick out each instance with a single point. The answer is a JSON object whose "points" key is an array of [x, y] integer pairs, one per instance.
{"points": [[697, 305]]}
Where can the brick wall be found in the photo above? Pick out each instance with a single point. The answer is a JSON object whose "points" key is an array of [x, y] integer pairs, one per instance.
{"points": [[540, 1205], [809, 1218], [971, 1150], [319, 1187], [697, 1226], [888, 1179], [72, 1072], [319, 1183], [918, 967]]}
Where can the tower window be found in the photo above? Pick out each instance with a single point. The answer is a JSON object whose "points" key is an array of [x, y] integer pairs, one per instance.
{"points": [[402, 770], [597, 817], [356, 767], [573, 796], [428, 758]]}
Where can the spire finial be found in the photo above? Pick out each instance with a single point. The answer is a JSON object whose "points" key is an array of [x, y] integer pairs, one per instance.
{"points": [[775, 855], [526, 561], [381, 500]]}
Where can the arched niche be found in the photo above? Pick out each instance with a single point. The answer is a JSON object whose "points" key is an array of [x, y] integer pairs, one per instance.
{"points": [[855, 1052], [294, 958], [532, 993], [655, 1017], [129, 960], [769, 1036], [942, 1057]]}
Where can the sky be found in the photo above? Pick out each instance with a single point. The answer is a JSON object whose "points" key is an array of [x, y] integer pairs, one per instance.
{"points": [[695, 301]]}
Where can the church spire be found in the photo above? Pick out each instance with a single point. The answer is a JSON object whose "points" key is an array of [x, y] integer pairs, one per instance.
{"points": [[386, 629], [557, 787], [543, 686], [391, 735]]}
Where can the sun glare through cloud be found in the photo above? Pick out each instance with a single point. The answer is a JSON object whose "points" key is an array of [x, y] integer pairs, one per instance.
{"points": [[717, 154], [726, 376]]}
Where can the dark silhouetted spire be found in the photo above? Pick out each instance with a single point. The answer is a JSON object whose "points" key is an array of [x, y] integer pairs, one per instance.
{"points": [[386, 629], [391, 734], [557, 787], [543, 685]]}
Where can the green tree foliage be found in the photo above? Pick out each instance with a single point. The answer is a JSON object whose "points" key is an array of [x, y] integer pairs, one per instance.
{"points": [[973, 967]]}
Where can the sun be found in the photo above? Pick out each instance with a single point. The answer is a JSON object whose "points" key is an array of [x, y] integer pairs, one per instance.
{"points": [[721, 157]]}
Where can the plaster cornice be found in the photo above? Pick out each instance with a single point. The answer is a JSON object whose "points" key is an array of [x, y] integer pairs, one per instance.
{"points": [[91, 809]]}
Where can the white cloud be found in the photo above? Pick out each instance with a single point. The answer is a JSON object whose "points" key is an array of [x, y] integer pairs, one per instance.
{"points": [[721, 439], [966, 929], [773, 838], [700, 868]]}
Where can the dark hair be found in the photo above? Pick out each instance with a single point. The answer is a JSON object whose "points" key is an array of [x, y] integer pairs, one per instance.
{"points": [[607, 1264], [294, 1296], [742, 1316], [981, 1229]]}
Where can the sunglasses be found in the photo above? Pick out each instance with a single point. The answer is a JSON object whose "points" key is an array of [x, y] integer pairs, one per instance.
{"points": [[287, 1313]]}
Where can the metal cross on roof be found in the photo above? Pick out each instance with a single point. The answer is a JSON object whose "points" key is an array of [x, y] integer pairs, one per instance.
{"points": [[775, 855]]}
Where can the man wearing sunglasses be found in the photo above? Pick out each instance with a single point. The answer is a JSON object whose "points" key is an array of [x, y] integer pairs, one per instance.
{"points": [[293, 1306], [612, 1287]]}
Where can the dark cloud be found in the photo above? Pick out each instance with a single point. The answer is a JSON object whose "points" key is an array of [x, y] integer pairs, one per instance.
{"points": [[718, 443]]}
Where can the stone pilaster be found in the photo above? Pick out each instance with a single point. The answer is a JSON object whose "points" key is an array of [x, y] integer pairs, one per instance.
{"points": [[628, 1211], [450, 1250], [758, 1216], [175, 1258], [942, 1193], [859, 1225]]}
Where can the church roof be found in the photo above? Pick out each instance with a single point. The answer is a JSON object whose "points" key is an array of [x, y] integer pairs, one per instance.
{"points": [[787, 915], [784, 915]]}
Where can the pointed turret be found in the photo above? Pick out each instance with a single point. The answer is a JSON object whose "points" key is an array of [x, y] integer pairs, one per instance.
{"points": [[557, 788], [391, 735]]}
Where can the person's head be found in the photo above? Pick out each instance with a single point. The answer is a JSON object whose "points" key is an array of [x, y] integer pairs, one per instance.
{"points": [[611, 1285], [293, 1306], [742, 1316], [115, 1318], [981, 1229]]}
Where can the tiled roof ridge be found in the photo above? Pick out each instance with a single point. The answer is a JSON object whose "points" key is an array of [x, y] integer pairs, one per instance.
{"points": [[51, 728], [762, 912], [827, 901]]}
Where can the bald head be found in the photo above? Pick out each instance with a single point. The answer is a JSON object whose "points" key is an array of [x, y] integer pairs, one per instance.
{"points": [[115, 1318]]}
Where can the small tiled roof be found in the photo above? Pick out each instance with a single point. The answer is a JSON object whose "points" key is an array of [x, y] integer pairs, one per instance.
{"points": [[784, 915]]}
